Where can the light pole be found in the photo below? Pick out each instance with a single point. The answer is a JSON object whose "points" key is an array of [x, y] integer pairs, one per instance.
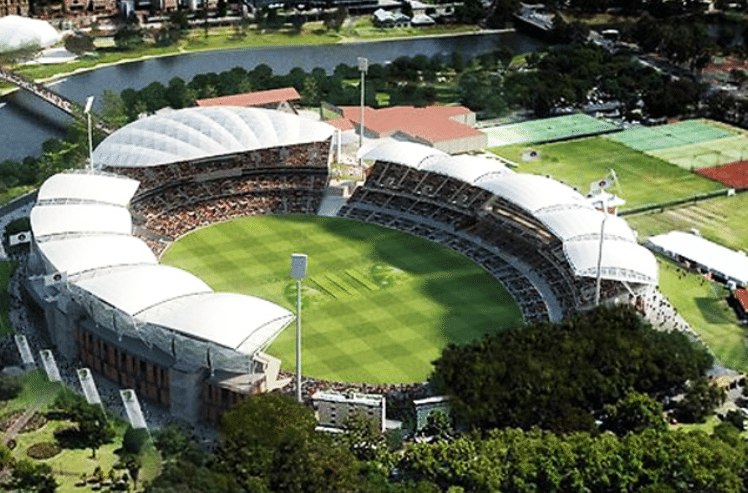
{"points": [[298, 272], [87, 112], [600, 252], [363, 66]]}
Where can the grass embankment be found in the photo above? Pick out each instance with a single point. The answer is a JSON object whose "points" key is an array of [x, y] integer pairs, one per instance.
{"points": [[379, 305], [644, 180], [702, 304], [6, 270], [69, 464]]}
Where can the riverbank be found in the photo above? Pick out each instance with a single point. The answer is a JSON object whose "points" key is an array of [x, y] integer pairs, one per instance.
{"points": [[221, 40]]}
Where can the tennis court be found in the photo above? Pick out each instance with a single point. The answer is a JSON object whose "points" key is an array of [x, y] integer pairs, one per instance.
{"points": [[672, 135], [706, 154], [547, 130]]}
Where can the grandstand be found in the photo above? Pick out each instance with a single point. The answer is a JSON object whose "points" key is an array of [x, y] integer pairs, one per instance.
{"points": [[165, 333], [538, 237], [150, 327]]}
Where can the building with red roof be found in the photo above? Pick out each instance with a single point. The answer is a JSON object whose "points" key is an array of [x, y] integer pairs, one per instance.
{"points": [[447, 128], [275, 99]]}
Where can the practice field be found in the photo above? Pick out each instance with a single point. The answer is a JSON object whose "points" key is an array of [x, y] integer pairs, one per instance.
{"points": [[733, 175], [547, 130], [644, 180], [378, 305], [723, 220]]}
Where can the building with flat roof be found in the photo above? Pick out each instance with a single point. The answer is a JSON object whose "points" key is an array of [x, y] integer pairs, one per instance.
{"points": [[333, 408], [446, 128]]}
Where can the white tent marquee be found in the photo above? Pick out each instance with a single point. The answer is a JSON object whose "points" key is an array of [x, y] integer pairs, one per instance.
{"points": [[22, 32]]}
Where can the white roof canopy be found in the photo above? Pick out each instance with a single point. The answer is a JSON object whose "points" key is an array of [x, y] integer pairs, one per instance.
{"points": [[535, 193], [469, 169], [621, 260], [584, 223], [18, 32], [728, 263], [194, 133], [86, 253], [138, 288], [80, 218], [405, 153], [243, 323], [107, 189]]}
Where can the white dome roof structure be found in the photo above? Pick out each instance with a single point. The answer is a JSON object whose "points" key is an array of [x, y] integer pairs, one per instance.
{"points": [[194, 133], [22, 32]]}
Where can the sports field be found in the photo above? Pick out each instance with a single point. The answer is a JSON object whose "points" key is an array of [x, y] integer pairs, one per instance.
{"points": [[643, 179], [733, 175], [378, 305], [547, 130], [721, 219], [688, 144]]}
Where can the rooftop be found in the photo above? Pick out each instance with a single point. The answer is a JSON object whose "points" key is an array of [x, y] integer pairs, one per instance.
{"points": [[257, 98]]}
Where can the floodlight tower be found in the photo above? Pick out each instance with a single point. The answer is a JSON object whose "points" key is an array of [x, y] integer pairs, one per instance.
{"points": [[363, 66], [600, 252], [298, 272], [87, 112]]}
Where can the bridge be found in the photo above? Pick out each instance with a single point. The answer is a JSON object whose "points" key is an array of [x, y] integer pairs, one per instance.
{"points": [[71, 108]]}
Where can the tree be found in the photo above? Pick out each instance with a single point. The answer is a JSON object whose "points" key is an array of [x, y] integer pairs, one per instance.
{"points": [[269, 439], [633, 414], [28, 476], [79, 43], [699, 401], [363, 437], [113, 109]]}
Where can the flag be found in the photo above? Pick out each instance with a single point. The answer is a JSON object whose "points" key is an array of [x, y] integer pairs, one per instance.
{"points": [[19, 238]]}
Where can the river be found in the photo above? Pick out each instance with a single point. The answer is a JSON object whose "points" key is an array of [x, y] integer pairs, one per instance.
{"points": [[23, 131]]}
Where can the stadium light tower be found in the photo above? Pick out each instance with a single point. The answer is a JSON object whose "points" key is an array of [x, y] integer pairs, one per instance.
{"points": [[600, 252], [298, 272], [363, 66], [87, 112]]}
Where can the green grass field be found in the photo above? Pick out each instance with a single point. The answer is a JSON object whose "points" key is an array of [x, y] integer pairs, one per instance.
{"points": [[378, 305], [644, 179], [723, 220], [673, 135], [546, 129], [702, 304]]}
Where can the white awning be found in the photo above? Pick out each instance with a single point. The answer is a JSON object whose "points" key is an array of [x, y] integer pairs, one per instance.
{"points": [[239, 322], [80, 219], [76, 255], [730, 264], [107, 189]]}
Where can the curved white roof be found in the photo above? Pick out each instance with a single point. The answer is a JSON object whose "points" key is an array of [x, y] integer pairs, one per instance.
{"points": [[80, 218], [76, 255], [405, 153], [243, 323], [729, 263], [534, 193], [107, 189], [194, 133], [21, 32], [621, 260], [584, 223], [465, 168], [137, 288]]}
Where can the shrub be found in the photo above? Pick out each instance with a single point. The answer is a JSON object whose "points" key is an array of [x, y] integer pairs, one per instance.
{"points": [[43, 450], [134, 440]]}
